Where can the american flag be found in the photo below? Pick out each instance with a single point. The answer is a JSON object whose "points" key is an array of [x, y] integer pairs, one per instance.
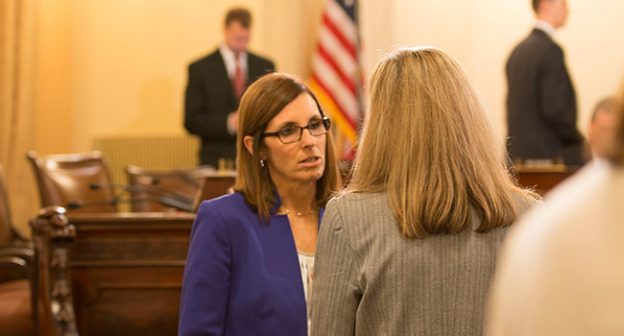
{"points": [[336, 71]]}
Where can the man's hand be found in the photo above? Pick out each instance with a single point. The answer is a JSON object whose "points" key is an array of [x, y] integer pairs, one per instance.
{"points": [[232, 122]]}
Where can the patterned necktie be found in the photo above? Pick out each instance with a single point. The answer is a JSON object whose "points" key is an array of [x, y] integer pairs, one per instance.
{"points": [[239, 79]]}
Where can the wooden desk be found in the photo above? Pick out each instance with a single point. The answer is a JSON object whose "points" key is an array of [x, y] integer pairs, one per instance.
{"points": [[110, 274], [542, 180]]}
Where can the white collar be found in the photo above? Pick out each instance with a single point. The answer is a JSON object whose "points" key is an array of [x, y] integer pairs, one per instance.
{"points": [[545, 27], [230, 61], [600, 161], [228, 53]]}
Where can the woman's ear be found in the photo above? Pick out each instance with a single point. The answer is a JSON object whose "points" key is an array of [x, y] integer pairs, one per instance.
{"points": [[248, 141]]}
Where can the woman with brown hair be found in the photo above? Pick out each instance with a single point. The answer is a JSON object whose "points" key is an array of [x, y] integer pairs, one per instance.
{"points": [[247, 270], [410, 246]]}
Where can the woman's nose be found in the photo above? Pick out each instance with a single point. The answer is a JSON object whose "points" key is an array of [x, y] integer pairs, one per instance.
{"points": [[307, 138]]}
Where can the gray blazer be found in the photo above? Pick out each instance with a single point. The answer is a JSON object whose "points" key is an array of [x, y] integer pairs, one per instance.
{"points": [[370, 280]]}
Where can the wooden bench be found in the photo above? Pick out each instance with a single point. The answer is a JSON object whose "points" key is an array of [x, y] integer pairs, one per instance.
{"points": [[110, 274]]}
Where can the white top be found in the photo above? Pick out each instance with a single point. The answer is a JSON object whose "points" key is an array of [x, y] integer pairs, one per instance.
{"points": [[230, 60], [562, 268], [306, 263]]}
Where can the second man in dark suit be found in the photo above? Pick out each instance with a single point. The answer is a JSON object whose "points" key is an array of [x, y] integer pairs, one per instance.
{"points": [[215, 84], [541, 101]]}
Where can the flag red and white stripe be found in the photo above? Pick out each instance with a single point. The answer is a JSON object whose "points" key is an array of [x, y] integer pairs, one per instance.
{"points": [[336, 72]]}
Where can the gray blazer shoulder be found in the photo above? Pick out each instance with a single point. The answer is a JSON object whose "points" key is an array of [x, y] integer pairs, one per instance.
{"points": [[370, 280]]}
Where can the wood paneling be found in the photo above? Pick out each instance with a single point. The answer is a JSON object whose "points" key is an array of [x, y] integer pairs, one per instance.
{"points": [[125, 270]]}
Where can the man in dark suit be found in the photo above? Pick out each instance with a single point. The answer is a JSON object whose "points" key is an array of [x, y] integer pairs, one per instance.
{"points": [[215, 84], [541, 102]]}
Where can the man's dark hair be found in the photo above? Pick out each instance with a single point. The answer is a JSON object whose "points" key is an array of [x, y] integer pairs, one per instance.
{"points": [[240, 15]]}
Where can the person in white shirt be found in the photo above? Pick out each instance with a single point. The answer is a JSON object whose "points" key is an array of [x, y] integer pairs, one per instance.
{"points": [[562, 268]]}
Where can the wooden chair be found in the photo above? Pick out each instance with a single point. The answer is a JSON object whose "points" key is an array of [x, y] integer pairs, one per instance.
{"points": [[79, 182], [214, 186], [164, 190], [17, 285]]}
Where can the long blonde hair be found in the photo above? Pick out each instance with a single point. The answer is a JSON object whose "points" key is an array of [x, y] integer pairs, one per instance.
{"points": [[427, 143], [260, 103]]}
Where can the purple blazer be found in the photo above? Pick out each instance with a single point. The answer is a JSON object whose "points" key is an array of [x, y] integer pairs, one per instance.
{"points": [[242, 276]]}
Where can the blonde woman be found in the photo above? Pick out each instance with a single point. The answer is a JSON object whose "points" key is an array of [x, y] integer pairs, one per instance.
{"points": [[410, 246]]}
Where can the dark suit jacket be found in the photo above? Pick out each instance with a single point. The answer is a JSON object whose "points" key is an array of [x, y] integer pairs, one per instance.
{"points": [[210, 98], [541, 103], [242, 276]]}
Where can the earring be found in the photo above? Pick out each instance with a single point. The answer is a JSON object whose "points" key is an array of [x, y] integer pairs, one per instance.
{"points": [[261, 163]]}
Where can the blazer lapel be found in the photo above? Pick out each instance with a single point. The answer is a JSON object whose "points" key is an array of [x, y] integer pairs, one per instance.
{"points": [[221, 76], [253, 69]]}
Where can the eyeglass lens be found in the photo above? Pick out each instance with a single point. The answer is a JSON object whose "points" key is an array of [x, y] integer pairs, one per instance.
{"points": [[293, 133]]}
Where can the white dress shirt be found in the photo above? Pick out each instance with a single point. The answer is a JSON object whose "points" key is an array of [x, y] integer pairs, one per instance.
{"points": [[230, 60]]}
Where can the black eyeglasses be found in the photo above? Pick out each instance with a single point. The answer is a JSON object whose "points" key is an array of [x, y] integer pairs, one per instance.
{"points": [[293, 133]]}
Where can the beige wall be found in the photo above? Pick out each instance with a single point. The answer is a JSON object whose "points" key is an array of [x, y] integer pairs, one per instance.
{"points": [[481, 34], [53, 83], [118, 67]]}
